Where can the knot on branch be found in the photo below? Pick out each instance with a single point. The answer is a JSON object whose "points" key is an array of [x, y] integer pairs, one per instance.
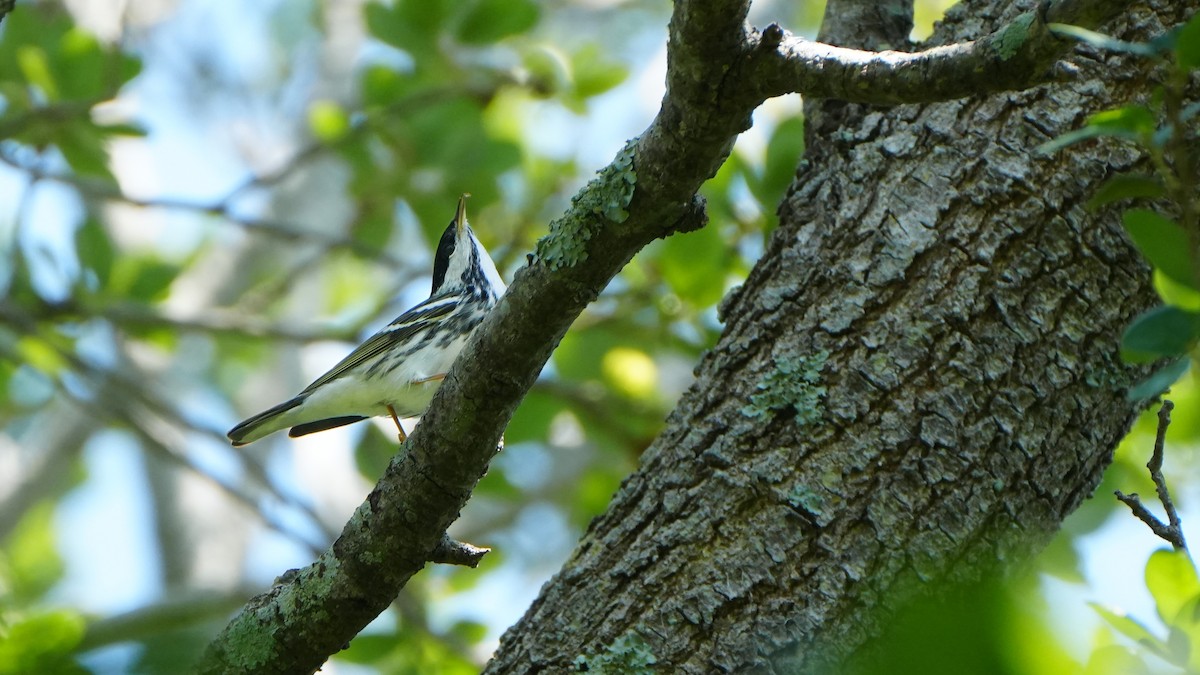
{"points": [[451, 552], [693, 217], [772, 37]]}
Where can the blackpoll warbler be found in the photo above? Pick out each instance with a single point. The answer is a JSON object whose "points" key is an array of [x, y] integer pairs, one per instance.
{"points": [[397, 370]]}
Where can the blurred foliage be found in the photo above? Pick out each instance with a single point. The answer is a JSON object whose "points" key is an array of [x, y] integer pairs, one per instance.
{"points": [[205, 207]]}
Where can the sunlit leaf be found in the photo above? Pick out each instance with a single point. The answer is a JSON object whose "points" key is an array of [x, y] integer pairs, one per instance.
{"points": [[42, 643], [1132, 119], [1173, 293], [1186, 629], [630, 372], [1105, 42], [1114, 660], [1172, 581], [1131, 628], [30, 555], [35, 66], [327, 120]]}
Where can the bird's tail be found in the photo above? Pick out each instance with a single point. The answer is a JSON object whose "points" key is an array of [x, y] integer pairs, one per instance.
{"points": [[265, 422]]}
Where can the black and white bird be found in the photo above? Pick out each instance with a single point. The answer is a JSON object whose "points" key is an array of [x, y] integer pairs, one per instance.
{"points": [[397, 370]]}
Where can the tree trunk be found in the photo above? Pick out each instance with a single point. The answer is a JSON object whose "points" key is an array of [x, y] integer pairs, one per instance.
{"points": [[916, 384]]}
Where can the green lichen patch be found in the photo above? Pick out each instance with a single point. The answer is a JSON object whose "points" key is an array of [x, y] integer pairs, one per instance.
{"points": [[627, 655], [605, 199], [794, 384], [1014, 36], [804, 498]]}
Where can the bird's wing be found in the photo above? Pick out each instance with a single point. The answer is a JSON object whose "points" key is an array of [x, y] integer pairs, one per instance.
{"points": [[397, 332]]}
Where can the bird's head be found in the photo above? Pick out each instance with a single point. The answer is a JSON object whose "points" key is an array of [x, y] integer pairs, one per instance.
{"points": [[461, 262]]}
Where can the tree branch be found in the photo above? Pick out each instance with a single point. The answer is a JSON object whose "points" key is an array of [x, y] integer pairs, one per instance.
{"points": [[1173, 531], [646, 193], [1020, 54]]}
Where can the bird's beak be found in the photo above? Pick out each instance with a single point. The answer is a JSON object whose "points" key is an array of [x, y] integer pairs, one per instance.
{"points": [[460, 216]]}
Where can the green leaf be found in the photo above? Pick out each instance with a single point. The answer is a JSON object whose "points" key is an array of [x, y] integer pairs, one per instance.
{"points": [[1070, 138], [1172, 581], [1162, 331], [368, 649], [1114, 660], [35, 67], [1126, 186], [1134, 120], [1187, 44], [30, 557], [489, 21], [411, 25], [531, 422], [548, 68], [374, 452], [42, 643], [1165, 244], [1174, 293], [327, 120], [142, 278], [1160, 381], [1131, 628], [577, 356], [381, 86], [1185, 628], [593, 73], [95, 250], [783, 154], [84, 146], [471, 632], [694, 265], [1102, 41]]}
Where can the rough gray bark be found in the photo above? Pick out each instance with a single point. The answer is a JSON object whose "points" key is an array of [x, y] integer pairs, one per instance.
{"points": [[960, 310], [718, 72]]}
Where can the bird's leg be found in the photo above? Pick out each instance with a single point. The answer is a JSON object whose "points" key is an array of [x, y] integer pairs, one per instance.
{"points": [[392, 411], [396, 419]]}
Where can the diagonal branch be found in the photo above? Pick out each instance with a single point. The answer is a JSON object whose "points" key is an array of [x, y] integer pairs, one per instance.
{"points": [[648, 192]]}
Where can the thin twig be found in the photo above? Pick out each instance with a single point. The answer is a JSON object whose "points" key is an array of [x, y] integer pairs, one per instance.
{"points": [[1173, 531]]}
